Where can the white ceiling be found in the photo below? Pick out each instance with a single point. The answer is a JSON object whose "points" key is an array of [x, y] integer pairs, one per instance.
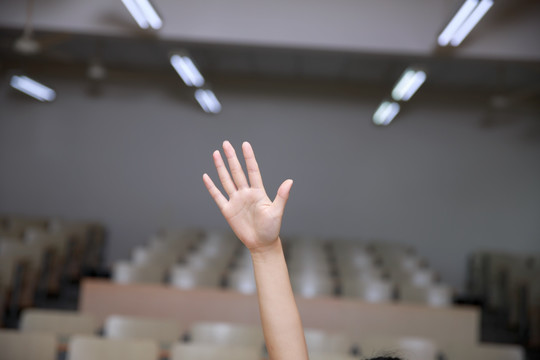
{"points": [[355, 40]]}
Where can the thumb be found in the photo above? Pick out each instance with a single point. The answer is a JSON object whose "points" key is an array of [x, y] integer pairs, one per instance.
{"points": [[283, 195]]}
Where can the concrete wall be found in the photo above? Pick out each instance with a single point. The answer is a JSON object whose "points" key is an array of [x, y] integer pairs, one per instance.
{"points": [[133, 159]]}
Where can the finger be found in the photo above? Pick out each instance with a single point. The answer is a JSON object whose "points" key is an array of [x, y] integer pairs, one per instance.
{"points": [[236, 169], [254, 174], [218, 197], [283, 195], [223, 173]]}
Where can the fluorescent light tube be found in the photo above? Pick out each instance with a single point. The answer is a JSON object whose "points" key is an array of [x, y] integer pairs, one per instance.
{"points": [[33, 88], [414, 85], [471, 22], [137, 14], [144, 14], [408, 84], [458, 19], [208, 101], [386, 112], [187, 70], [403, 84], [150, 14]]}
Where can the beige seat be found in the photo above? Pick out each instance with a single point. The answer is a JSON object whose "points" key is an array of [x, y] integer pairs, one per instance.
{"points": [[163, 244], [330, 356], [56, 241], [82, 347], [372, 290], [21, 346], [128, 273], [201, 260], [132, 327], [7, 270], [213, 352], [31, 259], [218, 244], [55, 247], [32, 254], [496, 266], [8, 284], [23, 222], [187, 278], [418, 276], [483, 352], [351, 270], [320, 341], [310, 286], [219, 333], [61, 323], [410, 348], [438, 295], [242, 280], [145, 255], [303, 269], [7, 238]]}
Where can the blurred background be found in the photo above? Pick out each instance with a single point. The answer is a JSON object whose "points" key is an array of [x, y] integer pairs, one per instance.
{"points": [[135, 106]]}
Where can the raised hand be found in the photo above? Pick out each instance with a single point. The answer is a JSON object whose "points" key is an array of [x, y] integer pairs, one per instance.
{"points": [[254, 218]]}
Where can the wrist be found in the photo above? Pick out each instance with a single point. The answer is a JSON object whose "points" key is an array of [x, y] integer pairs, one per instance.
{"points": [[265, 251]]}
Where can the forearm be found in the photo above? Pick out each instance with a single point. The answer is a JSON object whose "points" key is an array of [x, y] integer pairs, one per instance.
{"points": [[280, 319]]}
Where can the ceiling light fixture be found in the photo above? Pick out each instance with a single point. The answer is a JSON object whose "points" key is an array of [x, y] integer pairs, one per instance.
{"points": [[408, 84], [187, 70], [208, 101], [470, 13], [144, 14], [32, 88], [386, 112]]}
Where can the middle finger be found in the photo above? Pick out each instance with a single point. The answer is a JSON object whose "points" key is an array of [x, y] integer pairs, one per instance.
{"points": [[236, 169]]}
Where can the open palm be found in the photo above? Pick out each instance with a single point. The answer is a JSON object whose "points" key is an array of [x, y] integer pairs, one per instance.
{"points": [[254, 218]]}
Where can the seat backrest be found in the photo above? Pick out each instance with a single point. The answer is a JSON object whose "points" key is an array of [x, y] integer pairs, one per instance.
{"points": [[410, 348], [186, 278], [189, 351], [160, 244], [146, 255], [22, 346], [82, 347], [331, 356], [129, 273], [33, 254], [58, 322], [483, 351], [230, 334], [242, 280], [312, 286], [7, 270], [133, 327], [319, 341], [438, 295], [372, 290], [56, 241]]}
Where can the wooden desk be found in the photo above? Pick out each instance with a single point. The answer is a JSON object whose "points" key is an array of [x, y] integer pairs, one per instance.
{"points": [[103, 298]]}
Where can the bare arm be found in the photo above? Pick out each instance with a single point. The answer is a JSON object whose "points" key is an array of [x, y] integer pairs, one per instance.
{"points": [[256, 220]]}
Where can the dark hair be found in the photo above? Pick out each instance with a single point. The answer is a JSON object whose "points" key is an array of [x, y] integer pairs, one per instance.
{"points": [[385, 358]]}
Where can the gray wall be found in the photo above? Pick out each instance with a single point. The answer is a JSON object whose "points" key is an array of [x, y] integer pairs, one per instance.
{"points": [[133, 158]]}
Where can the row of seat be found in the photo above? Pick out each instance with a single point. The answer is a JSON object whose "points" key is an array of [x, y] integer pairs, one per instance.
{"points": [[376, 272], [38, 253], [508, 283], [145, 338]]}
